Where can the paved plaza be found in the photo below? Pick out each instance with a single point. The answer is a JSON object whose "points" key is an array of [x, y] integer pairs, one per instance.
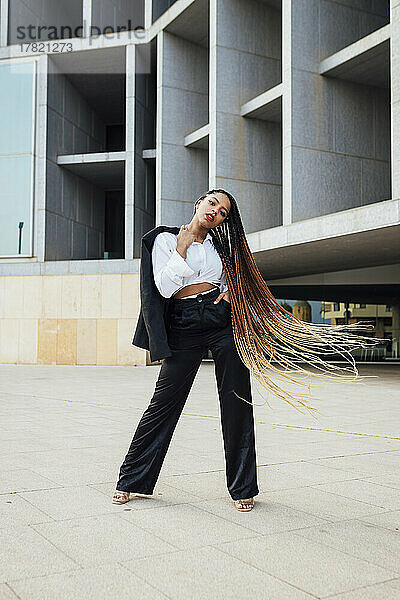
{"points": [[326, 523]]}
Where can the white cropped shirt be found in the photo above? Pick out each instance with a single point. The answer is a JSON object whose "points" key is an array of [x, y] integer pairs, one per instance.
{"points": [[172, 272]]}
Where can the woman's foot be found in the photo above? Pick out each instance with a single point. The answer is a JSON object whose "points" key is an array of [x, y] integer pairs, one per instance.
{"points": [[120, 497], [244, 505]]}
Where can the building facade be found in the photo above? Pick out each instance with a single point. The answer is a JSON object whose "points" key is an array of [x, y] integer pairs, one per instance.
{"points": [[116, 115]]}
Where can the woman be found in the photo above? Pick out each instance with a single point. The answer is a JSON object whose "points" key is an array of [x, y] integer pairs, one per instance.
{"points": [[188, 268], [218, 300]]}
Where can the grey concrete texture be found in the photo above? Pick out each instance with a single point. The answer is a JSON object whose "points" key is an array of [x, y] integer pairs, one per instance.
{"points": [[340, 130], [247, 152], [182, 105], [42, 13], [357, 18], [116, 13], [325, 524]]}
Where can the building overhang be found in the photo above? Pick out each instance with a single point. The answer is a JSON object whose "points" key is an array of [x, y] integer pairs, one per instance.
{"points": [[366, 236]]}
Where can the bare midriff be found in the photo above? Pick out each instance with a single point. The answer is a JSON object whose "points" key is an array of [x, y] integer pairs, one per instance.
{"points": [[194, 288]]}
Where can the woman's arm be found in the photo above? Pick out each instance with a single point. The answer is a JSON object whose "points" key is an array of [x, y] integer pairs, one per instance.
{"points": [[169, 267]]}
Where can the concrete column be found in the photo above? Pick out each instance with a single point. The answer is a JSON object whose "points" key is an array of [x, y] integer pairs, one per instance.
{"points": [[396, 330], [379, 327], [144, 168], [3, 22], [148, 12], [212, 138], [159, 121], [245, 153], [182, 108], [130, 153], [287, 112], [395, 95], [39, 238], [86, 17]]}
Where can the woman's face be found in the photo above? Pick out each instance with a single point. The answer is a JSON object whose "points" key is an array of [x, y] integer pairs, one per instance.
{"points": [[213, 210]]}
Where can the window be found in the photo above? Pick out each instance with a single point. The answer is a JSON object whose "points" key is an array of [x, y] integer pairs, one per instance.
{"points": [[388, 308], [17, 116], [336, 306]]}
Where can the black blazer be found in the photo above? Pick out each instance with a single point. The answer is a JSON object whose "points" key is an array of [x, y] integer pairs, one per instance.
{"points": [[151, 333]]}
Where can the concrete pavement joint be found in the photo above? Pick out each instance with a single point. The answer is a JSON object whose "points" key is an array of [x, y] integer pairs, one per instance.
{"points": [[266, 572], [363, 587], [390, 437], [205, 416], [12, 590], [126, 567]]}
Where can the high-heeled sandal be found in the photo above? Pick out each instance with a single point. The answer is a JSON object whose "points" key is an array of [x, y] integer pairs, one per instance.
{"points": [[120, 497], [244, 505]]}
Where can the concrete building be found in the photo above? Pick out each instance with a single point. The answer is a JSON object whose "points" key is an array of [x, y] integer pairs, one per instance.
{"points": [[292, 105]]}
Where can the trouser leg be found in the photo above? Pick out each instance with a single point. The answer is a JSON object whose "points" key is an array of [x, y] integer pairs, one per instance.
{"points": [[236, 416], [142, 464]]}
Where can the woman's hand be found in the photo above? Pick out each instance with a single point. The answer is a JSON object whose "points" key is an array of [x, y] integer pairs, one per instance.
{"points": [[184, 239], [224, 295]]}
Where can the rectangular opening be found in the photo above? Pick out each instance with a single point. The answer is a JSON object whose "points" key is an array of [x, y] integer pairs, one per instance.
{"points": [[86, 115], [159, 7]]}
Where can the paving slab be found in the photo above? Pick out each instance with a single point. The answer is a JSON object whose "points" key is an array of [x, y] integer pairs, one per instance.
{"points": [[70, 502], [372, 543], [390, 590], [15, 510], [85, 474], [20, 480], [6, 592], [102, 539], [266, 517], [102, 581], [313, 567], [365, 491], [388, 520], [24, 553], [200, 485], [392, 480], [328, 493], [164, 495], [298, 474], [205, 573], [366, 463], [186, 525], [321, 504]]}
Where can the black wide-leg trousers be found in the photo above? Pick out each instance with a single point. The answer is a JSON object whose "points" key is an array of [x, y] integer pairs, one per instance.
{"points": [[195, 325]]}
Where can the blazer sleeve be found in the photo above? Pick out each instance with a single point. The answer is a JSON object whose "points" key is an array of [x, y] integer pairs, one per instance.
{"points": [[169, 267]]}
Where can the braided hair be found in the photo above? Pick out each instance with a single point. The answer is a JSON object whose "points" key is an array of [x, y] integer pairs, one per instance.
{"points": [[264, 331]]}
